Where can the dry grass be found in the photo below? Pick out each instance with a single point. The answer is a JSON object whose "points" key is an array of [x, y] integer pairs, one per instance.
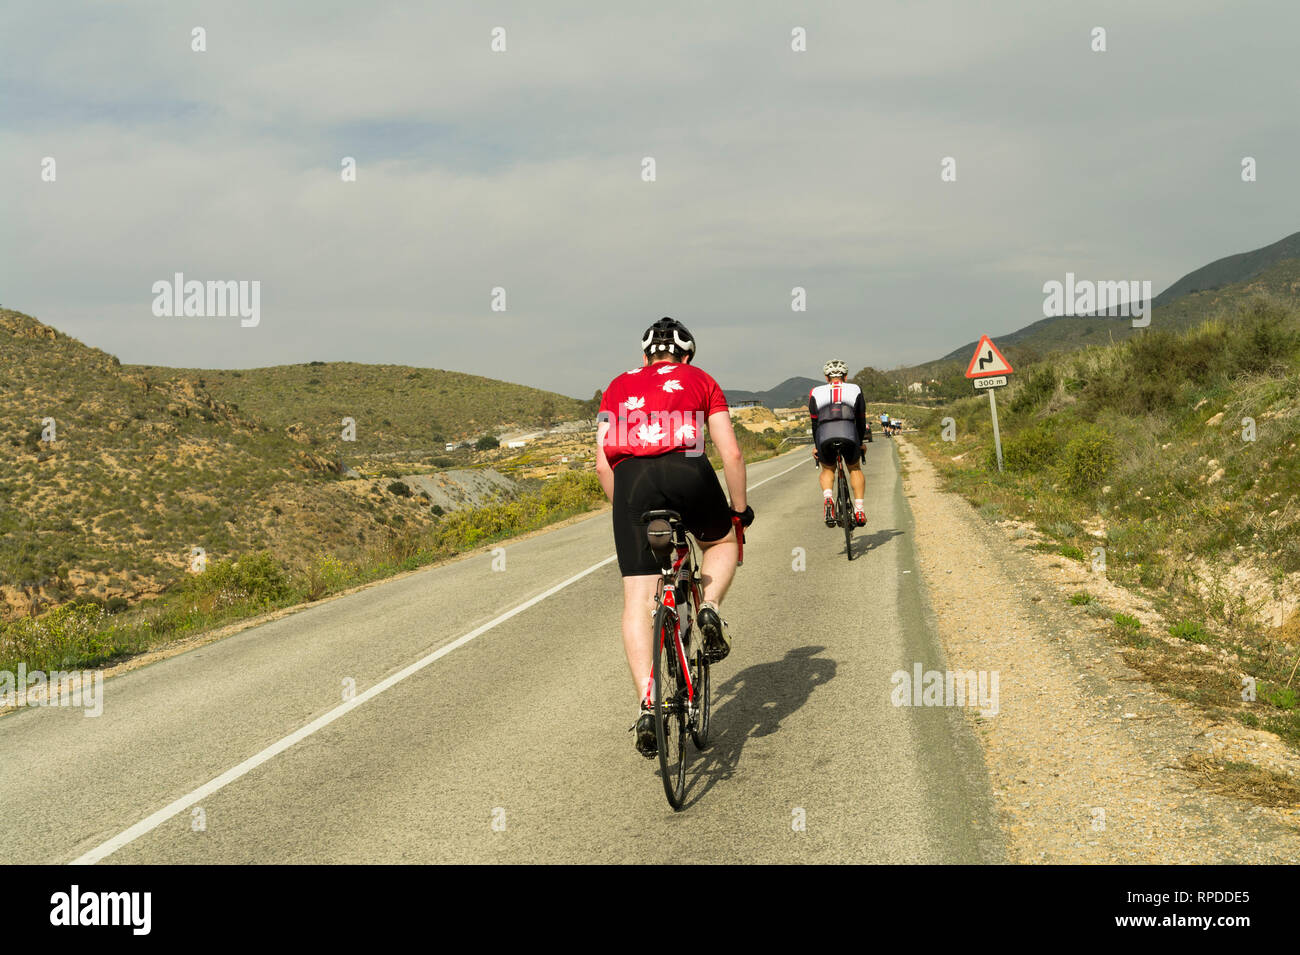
{"points": [[1245, 781]]}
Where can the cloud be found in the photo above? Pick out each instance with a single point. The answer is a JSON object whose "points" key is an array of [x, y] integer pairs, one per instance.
{"points": [[522, 170]]}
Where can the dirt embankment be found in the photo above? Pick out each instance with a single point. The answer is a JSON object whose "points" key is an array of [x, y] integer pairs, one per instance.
{"points": [[1088, 761], [463, 488]]}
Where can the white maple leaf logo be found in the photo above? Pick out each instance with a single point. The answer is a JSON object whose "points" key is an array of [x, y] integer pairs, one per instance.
{"points": [[633, 371], [672, 384], [650, 434], [635, 404], [686, 432], [665, 370]]}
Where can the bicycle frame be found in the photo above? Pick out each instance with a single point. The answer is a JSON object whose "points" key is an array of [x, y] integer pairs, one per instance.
{"points": [[671, 583]]}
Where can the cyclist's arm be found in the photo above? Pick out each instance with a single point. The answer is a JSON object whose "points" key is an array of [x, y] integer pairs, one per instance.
{"points": [[733, 462], [812, 413], [860, 412], [604, 473]]}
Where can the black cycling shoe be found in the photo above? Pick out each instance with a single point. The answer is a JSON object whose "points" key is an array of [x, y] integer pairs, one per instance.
{"points": [[830, 513], [647, 744], [713, 630]]}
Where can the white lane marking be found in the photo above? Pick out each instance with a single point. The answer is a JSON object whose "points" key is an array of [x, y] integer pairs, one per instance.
{"points": [[152, 822], [801, 464], [248, 765]]}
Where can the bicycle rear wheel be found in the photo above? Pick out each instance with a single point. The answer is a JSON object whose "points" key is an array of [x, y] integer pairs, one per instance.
{"points": [[670, 708], [846, 512]]}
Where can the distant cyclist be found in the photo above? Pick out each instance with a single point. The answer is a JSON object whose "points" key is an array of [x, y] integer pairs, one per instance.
{"points": [[839, 417], [650, 455]]}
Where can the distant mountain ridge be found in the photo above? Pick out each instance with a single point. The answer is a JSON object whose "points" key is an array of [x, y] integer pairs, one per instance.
{"points": [[792, 392], [1232, 269], [1272, 269]]}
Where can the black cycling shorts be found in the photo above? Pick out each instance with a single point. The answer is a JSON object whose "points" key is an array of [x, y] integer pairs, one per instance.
{"points": [[685, 484], [848, 450]]}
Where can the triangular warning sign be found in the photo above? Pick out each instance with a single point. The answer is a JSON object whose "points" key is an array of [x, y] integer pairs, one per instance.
{"points": [[987, 360]]}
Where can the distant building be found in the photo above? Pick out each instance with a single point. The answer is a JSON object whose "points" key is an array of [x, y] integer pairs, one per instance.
{"points": [[916, 387], [515, 444], [451, 447], [747, 404]]}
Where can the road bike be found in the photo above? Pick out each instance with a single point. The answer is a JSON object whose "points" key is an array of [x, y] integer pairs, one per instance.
{"points": [[843, 500], [682, 687], [844, 503]]}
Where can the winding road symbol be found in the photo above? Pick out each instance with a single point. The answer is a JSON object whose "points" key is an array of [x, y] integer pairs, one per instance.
{"points": [[987, 360]]}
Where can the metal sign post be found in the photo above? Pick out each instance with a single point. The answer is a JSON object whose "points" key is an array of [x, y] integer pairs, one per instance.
{"points": [[988, 369], [997, 437]]}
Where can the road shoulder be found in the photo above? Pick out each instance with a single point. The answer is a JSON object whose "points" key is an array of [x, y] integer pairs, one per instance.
{"points": [[1087, 761]]}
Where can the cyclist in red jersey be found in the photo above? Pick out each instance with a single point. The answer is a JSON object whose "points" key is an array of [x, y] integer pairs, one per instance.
{"points": [[650, 455]]}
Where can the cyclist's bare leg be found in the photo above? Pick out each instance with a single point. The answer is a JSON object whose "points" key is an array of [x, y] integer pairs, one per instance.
{"points": [[858, 481], [638, 624], [827, 477], [718, 566]]}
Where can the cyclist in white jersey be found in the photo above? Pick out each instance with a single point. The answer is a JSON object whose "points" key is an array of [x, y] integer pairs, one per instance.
{"points": [[839, 416]]}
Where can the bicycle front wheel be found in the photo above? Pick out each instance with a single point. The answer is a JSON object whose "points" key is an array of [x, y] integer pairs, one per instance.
{"points": [[670, 707], [700, 678]]}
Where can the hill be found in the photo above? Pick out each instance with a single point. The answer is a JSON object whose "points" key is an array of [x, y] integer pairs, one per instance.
{"points": [[1223, 288], [1175, 451], [395, 407], [114, 474], [1232, 269], [793, 392]]}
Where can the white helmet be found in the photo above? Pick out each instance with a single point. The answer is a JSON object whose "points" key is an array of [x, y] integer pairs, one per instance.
{"points": [[835, 369]]}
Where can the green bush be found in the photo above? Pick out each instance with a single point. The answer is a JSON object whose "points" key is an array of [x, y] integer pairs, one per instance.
{"points": [[1037, 388], [1283, 697], [570, 493], [1188, 630], [254, 578], [1089, 457], [487, 443], [400, 488], [1032, 451], [68, 636], [1269, 338], [324, 575], [1129, 623]]}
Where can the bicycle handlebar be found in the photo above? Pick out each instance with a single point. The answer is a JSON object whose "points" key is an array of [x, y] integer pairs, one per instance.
{"points": [[740, 539]]}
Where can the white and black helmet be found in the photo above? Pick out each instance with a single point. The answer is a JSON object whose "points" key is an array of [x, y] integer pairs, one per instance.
{"points": [[668, 335], [835, 369]]}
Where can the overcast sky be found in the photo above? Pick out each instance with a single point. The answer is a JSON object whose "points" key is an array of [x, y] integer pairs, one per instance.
{"points": [[522, 169]]}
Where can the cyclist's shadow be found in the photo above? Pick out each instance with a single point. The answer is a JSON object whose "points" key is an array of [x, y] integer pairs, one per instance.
{"points": [[868, 542], [755, 701]]}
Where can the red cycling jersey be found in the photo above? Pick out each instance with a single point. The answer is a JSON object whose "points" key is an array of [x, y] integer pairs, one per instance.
{"points": [[659, 408]]}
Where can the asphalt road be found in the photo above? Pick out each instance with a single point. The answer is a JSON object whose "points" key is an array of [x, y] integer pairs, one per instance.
{"points": [[482, 732]]}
